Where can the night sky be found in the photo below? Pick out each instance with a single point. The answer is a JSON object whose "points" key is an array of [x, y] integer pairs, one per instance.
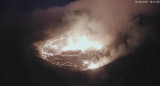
{"points": [[20, 65]]}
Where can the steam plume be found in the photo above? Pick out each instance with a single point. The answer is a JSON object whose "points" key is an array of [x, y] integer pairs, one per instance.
{"points": [[115, 25]]}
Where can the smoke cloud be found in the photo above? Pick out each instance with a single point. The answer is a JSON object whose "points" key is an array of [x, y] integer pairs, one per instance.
{"points": [[115, 24]]}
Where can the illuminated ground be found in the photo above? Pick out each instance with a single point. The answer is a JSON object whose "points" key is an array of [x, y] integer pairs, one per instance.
{"points": [[76, 54]]}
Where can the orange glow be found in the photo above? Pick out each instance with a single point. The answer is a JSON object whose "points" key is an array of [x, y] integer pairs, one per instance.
{"points": [[77, 53], [93, 66], [81, 43]]}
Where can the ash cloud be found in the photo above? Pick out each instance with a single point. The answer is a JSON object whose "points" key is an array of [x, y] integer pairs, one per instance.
{"points": [[115, 25]]}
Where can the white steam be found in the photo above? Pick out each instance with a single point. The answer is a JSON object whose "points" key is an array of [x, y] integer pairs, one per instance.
{"points": [[115, 24]]}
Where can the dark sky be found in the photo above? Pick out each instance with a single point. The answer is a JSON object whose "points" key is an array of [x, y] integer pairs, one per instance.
{"points": [[28, 5], [21, 67]]}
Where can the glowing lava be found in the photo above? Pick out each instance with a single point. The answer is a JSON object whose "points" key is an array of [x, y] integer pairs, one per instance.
{"points": [[93, 66], [81, 43], [79, 54]]}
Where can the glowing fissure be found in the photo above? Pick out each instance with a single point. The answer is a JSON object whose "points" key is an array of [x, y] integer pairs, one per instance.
{"points": [[80, 53]]}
